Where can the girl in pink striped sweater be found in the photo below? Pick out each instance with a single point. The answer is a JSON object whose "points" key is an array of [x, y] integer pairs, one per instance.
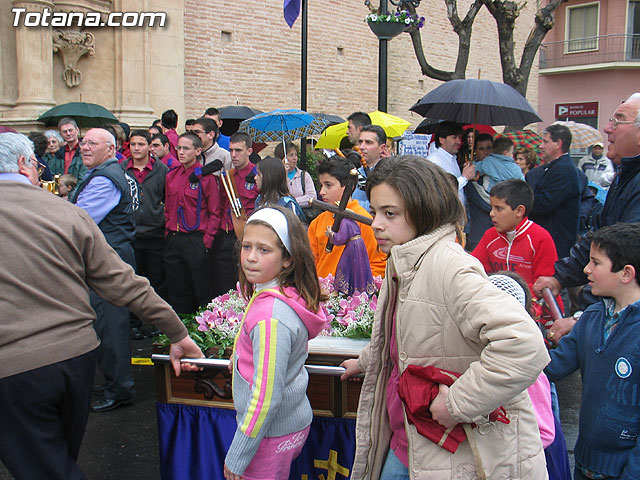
{"points": [[278, 274]]}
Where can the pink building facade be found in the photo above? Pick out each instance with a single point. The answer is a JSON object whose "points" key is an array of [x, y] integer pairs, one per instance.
{"points": [[590, 61]]}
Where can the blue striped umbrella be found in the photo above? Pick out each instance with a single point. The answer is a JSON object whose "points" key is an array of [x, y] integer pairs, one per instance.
{"points": [[477, 101], [280, 124]]}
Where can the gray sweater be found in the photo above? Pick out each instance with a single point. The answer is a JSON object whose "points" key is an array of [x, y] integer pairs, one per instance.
{"points": [[269, 378]]}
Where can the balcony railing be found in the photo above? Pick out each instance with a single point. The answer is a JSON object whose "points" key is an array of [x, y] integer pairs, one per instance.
{"points": [[590, 50]]}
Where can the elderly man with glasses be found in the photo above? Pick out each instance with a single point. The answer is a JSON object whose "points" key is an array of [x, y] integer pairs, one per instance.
{"points": [[622, 205], [109, 196]]}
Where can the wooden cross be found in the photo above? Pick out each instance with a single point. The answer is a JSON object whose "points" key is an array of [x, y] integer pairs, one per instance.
{"points": [[341, 211]]}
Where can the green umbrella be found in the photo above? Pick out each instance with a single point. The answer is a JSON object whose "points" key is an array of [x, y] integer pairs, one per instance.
{"points": [[85, 114]]}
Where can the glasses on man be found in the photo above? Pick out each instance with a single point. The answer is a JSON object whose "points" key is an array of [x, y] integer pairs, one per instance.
{"points": [[89, 143], [180, 148], [39, 165], [615, 122], [198, 132]]}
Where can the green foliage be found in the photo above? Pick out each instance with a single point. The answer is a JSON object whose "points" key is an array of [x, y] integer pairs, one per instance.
{"points": [[314, 157]]}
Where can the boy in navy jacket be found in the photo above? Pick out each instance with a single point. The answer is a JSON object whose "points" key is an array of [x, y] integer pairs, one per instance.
{"points": [[605, 346]]}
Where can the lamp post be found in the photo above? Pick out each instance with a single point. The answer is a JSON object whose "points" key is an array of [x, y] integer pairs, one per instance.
{"points": [[384, 37], [382, 64], [303, 80]]}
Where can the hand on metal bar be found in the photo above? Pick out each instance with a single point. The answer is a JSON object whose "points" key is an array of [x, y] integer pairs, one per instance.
{"points": [[326, 370]]}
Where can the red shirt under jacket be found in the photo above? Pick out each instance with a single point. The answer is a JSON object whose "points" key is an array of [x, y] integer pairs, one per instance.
{"points": [[141, 174]]}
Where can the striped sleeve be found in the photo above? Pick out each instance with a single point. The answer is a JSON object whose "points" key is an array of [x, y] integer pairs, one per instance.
{"points": [[263, 378], [271, 345]]}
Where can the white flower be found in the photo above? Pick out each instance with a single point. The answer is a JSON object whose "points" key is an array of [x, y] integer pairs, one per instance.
{"points": [[373, 17], [407, 21]]}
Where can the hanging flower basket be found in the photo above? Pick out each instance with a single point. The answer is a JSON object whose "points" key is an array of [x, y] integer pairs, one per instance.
{"points": [[393, 24], [386, 31]]}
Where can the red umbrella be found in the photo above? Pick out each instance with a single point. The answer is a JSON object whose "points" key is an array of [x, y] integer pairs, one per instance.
{"points": [[4, 129], [257, 147], [480, 128]]}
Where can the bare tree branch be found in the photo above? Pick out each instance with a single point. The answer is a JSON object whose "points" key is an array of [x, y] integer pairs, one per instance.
{"points": [[462, 28], [505, 13]]}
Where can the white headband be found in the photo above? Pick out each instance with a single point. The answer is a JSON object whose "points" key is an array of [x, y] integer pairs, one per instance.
{"points": [[276, 220]]}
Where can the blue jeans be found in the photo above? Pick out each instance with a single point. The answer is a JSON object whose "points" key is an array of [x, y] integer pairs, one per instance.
{"points": [[393, 468]]}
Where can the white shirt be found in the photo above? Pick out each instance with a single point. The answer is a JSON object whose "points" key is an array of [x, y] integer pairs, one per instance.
{"points": [[449, 163], [214, 152]]}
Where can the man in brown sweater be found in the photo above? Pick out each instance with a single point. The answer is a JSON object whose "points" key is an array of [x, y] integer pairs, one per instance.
{"points": [[47, 341]]}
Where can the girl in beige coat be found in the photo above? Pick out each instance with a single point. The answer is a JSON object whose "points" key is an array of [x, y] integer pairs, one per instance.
{"points": [[437, 308]]}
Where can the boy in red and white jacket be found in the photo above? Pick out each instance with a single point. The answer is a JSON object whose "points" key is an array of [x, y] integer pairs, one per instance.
{"points": [[515, 243]]}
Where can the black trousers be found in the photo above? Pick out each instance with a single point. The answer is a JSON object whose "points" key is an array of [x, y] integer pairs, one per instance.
{"points": [[186, 267], [114, 353], [223, 263], [43, 415], [150, 264]]}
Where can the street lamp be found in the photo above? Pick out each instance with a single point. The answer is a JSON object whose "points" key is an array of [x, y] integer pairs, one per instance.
{"points": [[385, 32]]}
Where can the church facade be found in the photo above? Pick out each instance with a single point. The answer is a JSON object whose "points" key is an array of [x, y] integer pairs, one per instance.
{"points": [[213, 54]]}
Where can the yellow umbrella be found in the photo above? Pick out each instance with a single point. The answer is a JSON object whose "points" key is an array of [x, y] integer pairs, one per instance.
{"points": [[392, 125]]}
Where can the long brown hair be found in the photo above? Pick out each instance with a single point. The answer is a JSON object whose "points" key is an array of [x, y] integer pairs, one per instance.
{"points": [[274, 180], [301, 272]]}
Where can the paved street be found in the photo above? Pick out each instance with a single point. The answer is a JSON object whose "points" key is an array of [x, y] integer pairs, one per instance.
{"points": [[123, 444]]}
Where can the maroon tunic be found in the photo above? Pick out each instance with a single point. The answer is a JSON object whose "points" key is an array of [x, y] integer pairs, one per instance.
{"points": [[192, 207]]}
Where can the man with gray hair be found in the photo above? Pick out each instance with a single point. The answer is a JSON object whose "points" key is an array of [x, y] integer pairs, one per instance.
{"points": [[622, 204], [47, 340], [105, 194], [67, 160]]}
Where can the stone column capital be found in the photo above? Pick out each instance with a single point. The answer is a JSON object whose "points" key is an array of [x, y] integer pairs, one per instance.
{"points": [[98, 6], [33, 5]]}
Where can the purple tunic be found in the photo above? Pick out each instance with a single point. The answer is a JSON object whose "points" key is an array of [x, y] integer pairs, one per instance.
{"points": [[353, 272]]}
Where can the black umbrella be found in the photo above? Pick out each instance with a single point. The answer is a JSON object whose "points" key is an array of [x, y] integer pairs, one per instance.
{"points": [[85, 114], [332, 119], [238, 112], [477, 101], [427, 126]]}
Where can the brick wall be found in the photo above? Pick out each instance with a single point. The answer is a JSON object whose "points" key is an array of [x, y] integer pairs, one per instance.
{"points": [[251, 57]]}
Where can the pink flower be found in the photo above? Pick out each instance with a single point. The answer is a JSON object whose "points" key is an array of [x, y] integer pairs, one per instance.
{"points": [[373, 303]]}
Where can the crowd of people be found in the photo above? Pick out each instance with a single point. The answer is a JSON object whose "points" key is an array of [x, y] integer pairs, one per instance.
{"points": [[197, 212]]}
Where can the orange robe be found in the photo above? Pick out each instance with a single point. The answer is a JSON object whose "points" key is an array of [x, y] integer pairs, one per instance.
{"points": [[326, 263]]}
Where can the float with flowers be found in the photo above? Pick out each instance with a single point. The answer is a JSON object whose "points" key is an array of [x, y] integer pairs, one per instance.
{"points": [[214, 328]]}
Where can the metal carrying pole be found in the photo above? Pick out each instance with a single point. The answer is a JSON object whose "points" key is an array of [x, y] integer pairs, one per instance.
{"points": [[325, 370]]}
